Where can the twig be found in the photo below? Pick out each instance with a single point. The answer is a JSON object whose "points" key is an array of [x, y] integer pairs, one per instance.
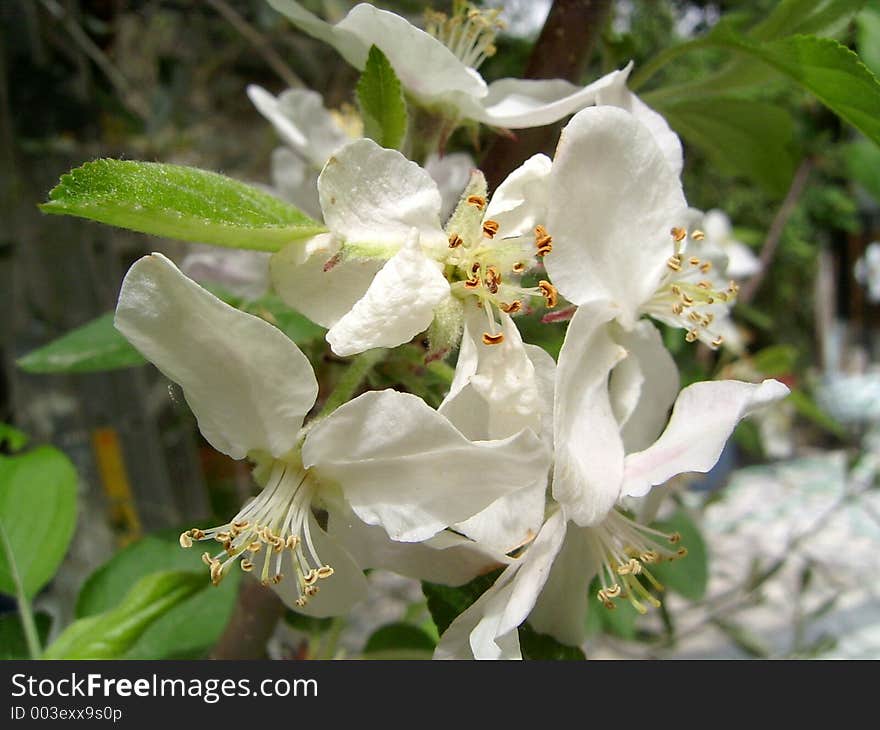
{"points": [[561, 52], [258, 41], [777, 227], [256, 613], [127, 95]]}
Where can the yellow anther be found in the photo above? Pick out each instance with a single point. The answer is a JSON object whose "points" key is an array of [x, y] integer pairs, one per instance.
{"points": [[511, 308], [246, 565], [678, 234], [518, 267], [186, 539], [548, 291], [478, 201], [455, 241], [698, 235], [674, 262], [490, 339], [490, 228], [691, 336]]}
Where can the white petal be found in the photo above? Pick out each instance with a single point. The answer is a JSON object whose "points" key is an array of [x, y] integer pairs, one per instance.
{"points": [[509, 522], [402, 465], [491, 622], [589, 451], [520, 202], [613, 199], [502, 375], [337, 594], [446, 558], [371, 195], [648, 381], [397, 306], [703, 418], [309, 279], [741, 261], [301, 120], [241, 272], [349, 46], [617, 94], [451, 173], [248, 385], [519, 103], [295, 180], [425, 66], [561, 608]]}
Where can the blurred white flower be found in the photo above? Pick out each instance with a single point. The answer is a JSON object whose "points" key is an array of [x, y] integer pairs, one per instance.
{"points": [[867, 270]]}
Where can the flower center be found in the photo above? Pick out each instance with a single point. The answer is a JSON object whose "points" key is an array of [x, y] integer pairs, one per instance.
{"points": [[626, 548], [468, 32], [691, 295], [485, 268], [274, 523]]}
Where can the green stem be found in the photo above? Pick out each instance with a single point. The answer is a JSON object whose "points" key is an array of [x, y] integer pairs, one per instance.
{"points": [[638, 79], [24, 605], [331, 639], [358, 370]]}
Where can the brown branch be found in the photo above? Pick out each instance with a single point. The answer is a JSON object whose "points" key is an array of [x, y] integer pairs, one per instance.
{"points": [[256, 613], [777, 227], [258, 41], [561, 52]]}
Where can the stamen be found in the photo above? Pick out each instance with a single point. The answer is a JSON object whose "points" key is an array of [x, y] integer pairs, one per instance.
{"points": [[549, 293], [543, 241], [698, 235], [490, 228], [455, 241], [678, 234], [276, 523], [478, 201], [490, 339]]}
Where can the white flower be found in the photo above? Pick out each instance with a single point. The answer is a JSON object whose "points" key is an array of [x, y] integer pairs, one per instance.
{"points": [[616, 212], [312, 134], [387, 269], [384, 457], [593, 470], [241, 272], [867, 270], [438, 66], [733, 258]]}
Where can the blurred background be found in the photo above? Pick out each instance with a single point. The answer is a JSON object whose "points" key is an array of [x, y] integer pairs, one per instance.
{"points": [[783, 533]]}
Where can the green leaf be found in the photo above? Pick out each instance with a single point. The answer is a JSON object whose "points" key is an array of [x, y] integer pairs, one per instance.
{"points": [[775, 360], [689, 575], [111, 634], [824, 67], [11, 438], [179, 202], [868, 38], [446, 602], [809, 409], [37, 517], [380, 97], [742, 137], [399, 641], [187, 630], [94, 347], [812, 17], [298, 328], [862, 160], [541, 646], [13, 644]]}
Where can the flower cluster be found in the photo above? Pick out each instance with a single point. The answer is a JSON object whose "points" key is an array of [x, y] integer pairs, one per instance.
{"points": [[531, 464]]}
